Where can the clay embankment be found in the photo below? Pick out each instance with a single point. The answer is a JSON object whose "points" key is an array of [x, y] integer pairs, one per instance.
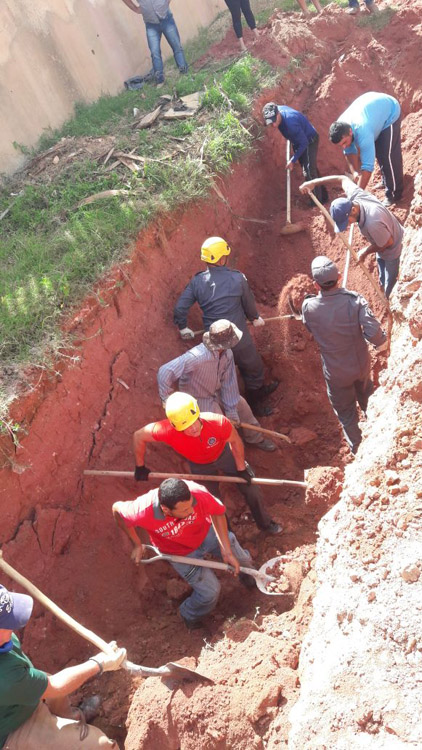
{"points": [[58, 529]]}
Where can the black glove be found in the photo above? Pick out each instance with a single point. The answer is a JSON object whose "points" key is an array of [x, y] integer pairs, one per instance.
{"points": [[246, 473], [141, 473]]}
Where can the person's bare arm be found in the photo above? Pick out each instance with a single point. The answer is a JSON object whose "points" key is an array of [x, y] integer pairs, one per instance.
{"points": [[138, 548], [70, 679], [140, 439], [132, 6], [221, 531], [238, 450], [364, 178], [374, 249], [335, 179]]}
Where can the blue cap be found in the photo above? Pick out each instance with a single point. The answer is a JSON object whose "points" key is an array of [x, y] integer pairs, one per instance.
{"points": [[15, 609], [340, 212]]}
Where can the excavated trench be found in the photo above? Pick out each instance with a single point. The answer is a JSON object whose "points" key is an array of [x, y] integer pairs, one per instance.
{"points": [[57, 526]]}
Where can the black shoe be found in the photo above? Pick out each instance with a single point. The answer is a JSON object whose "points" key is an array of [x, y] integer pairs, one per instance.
{"points": [[261, 410], [265, 445], [247, 581], [266, 390], [192, 624], [273, 528]]}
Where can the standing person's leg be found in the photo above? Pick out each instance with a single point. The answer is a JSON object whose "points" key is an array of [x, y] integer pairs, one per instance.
{"points": [[343, 401], [234, 8], [251, 493], [391, 274], [154, 43], [308, 161], [245, 415], [171, 33], [353, 7], [381, 272], [389, 156], [251, 368], [246, 9], [364, 388]]}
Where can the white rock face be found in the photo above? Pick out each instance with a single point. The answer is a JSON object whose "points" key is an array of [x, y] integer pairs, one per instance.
{"points": [[361, 663]]}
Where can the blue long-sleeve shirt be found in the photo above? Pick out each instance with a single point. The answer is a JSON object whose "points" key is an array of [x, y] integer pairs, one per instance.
{"points": [[297, 129], [368, 115]]}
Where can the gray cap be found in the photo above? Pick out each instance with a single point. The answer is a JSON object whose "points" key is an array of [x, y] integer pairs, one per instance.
{"points": [[222, 335], [324, 270]]}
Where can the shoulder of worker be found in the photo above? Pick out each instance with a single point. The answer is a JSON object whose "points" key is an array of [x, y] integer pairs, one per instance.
{"points": [[307, 300]]}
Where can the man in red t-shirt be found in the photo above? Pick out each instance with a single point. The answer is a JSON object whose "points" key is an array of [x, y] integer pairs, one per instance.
{"points": [[182, 518], [211, 445]]}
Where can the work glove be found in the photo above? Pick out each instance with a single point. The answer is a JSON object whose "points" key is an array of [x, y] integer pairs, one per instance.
{"points": [[259, 322], [186, 334], [246, 473], [141, 473], [112, 661], [382, 347]]}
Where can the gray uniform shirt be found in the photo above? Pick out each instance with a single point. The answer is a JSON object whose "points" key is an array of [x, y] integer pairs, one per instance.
{"points": [[377, 223], [220, 292], [153, 11], [202, 374], [340, 321]]}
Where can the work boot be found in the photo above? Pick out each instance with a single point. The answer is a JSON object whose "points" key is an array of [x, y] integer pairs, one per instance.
{"points": [[192, 624], [266, 390], [266, 445], [260, 409], [247, 581], [273, 528]]}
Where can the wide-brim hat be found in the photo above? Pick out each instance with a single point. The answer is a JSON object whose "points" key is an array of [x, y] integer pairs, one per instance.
{"points": [[15, 609], [222, 335]]}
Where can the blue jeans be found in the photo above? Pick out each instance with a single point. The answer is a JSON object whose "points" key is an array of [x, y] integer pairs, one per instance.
{"points": [[388, 272], [355, 3], [205, 584], [154, 32]]}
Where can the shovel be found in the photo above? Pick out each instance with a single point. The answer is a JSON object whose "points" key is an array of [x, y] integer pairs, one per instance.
{"points": [[261, 576], [290, 228], [168, 670]]}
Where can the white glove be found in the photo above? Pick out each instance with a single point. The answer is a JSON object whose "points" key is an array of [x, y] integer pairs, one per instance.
{"points": [[258, 322], [112, 661], [186, 334], [381, 347]]}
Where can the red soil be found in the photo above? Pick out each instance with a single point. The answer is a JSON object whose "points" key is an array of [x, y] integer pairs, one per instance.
{"points": [[57, 527]]}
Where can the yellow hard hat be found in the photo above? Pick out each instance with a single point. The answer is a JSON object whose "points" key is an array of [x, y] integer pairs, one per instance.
{"points": [[213, 249], [182, 410]]}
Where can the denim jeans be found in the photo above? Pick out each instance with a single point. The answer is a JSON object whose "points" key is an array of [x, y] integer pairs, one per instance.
{"points": [[205, 584], [388, 272], [167, 26], [355, 3]]}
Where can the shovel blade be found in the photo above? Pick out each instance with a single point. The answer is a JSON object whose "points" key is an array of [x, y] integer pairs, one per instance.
{"points": [[183, 673], [292, 228], [264, 578]]}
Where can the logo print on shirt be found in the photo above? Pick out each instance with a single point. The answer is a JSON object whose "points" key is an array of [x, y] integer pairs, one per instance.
{"points": [[211, 441]]}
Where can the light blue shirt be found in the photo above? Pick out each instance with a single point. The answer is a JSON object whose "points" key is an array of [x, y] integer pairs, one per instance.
{"points": [[202, 374], [368, 115]]}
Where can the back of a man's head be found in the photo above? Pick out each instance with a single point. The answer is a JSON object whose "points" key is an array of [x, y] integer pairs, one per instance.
{"points": [[173, 491]]}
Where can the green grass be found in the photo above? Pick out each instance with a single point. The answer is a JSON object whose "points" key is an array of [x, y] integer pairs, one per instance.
{"points": [[52, 251], [376, 21]]}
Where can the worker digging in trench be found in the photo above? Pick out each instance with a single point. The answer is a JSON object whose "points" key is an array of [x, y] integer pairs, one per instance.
{"points": [[35, 711], [341, 322], [223, 292], [211, 445], [208, 373], [375, 221], [183, 518]]}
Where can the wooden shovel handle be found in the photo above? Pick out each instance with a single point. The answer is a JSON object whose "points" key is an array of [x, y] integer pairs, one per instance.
{"points": [[53, 608], [255, 427], [195, 477]]}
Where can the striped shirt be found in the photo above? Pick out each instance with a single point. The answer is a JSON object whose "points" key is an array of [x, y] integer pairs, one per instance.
{"points": [[202, 373]]}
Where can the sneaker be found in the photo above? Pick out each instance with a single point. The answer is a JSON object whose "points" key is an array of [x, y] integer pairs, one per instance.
{"points": [[266, 445], [247, 581], [273, 528], [387, 202], [184, 70], [379, 186], [353, 11]]}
